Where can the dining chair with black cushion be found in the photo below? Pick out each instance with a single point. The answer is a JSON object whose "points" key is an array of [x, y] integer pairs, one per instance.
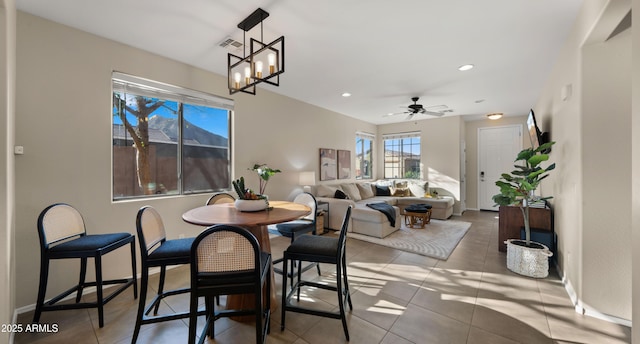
{"points": [[222, 197], [227, 260], [296, 228], [63, 235], [318, 249], [157, 251]]}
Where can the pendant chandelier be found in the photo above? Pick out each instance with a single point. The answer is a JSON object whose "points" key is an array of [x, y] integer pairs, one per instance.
{"points": [[264, 63]]}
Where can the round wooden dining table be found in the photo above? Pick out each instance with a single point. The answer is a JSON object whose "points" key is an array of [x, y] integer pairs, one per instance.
{"points": [[255, 222]]}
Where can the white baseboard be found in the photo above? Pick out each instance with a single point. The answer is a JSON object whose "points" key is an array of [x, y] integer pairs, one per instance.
{"points": [[581, 308]]}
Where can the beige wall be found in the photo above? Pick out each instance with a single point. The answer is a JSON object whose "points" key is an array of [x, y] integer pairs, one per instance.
{"points": [[471, 138], [635, 181], [7, 184], [64, 123], [591, 127]]}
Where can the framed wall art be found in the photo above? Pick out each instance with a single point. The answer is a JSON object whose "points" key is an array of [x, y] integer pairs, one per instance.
{"points": [[328, 164], [344, 164]]}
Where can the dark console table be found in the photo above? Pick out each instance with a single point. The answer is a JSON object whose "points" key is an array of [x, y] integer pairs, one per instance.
{"points": [[511, 222]]}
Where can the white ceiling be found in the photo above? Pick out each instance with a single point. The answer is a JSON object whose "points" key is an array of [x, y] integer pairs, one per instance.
{"points": [[383, 52]]}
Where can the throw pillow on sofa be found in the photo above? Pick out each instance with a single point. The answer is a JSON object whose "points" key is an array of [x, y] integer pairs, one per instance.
{"points": [[352, 191], [340, 195], [401, 190], [326, 190], [382, 190], [366, 191]]}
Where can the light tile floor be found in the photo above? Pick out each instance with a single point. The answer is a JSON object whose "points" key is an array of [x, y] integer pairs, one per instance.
{"points": [[398, 297]]}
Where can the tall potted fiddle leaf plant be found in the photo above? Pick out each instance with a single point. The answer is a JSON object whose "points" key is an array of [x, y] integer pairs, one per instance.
{"points": [[518, 189]]}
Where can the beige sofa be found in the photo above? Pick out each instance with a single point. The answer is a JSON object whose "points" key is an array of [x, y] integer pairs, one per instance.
{"points": [[365, 220]]}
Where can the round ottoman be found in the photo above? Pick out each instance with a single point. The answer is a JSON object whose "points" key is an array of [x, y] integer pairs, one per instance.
{"points": [[417, 214]]}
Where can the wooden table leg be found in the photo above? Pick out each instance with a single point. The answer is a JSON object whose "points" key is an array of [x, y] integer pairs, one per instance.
{"points": [[240, 301]]}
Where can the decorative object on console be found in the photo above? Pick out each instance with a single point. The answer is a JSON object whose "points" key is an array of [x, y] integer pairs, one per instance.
{"points": [[344, 164], [518, 189], [328, 165], [244, 73]]}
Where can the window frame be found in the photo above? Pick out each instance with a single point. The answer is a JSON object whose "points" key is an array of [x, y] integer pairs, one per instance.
{"points": [[365, 137], [126, 83], [402, 155]]}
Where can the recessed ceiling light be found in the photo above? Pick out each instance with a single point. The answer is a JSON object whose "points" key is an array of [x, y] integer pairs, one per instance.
{"points": [[346, 94], [465, 67], [495, 115]]}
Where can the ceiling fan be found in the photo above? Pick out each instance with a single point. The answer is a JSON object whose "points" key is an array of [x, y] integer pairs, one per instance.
{"points": [[416, 108]]}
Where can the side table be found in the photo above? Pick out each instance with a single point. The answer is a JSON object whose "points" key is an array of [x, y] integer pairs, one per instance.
{"points": [[323, 208]]}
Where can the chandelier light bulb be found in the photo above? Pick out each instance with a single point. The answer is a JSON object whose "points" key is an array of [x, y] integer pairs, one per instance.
{"points": [[272, 62], [259, 69], [236, 78], [247, 75]]}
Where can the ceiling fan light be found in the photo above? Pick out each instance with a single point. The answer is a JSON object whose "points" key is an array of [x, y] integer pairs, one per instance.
{"points": [[494, 116]]}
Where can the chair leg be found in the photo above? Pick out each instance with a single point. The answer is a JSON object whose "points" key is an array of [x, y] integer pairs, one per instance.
{"points": [[283, 304], [193, 317], [346, 282], [258, 313], [42, 289], [83, 273], [144, 281], [163, 271], [299, 279], [340, 291], [100, 300], [210, 313], [134, 269]]}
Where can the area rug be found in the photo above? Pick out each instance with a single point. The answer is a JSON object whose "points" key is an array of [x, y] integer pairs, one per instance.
{"points": [[438, 239]]}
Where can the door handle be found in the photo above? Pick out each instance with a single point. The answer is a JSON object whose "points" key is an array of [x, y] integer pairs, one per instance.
{"points": [[482, 176]]}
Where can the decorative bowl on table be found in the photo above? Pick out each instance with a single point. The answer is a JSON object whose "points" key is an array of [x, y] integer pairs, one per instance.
{"points": [[251, 204]]}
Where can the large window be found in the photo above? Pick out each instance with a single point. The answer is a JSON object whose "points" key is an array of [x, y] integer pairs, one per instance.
{"points": [[402, 155], [168, 140], [364, 152]]}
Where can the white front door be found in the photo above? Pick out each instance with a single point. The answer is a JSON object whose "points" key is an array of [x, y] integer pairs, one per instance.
{"points": [[498, 148]]}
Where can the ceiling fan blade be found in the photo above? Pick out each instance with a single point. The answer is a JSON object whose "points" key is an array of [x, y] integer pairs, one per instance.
{"points": [[394, 114], [433, 113], [409, 117]]}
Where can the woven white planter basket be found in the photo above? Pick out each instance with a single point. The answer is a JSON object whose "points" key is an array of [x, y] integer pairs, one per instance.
{"points": [[528, 261]]}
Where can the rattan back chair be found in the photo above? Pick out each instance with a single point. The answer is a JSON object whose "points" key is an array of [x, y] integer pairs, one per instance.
{"points": [[318, 249], [227, 260], [63, 235], [157, 251], [296, 228], [222, 197]]}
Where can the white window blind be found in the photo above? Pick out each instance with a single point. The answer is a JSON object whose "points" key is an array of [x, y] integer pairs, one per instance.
{"points": [[368, 136], [149, 88], [401, 135]]}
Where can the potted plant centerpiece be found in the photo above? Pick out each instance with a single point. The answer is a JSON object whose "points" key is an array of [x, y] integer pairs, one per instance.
{"points": [[264, 173], [248, 200], [526, 257]]}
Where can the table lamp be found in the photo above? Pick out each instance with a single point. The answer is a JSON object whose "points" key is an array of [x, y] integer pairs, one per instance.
{"points": [[307, 179]]}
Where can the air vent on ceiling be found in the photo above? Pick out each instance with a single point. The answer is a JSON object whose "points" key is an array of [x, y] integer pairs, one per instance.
{"points": [[230, 44]]}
